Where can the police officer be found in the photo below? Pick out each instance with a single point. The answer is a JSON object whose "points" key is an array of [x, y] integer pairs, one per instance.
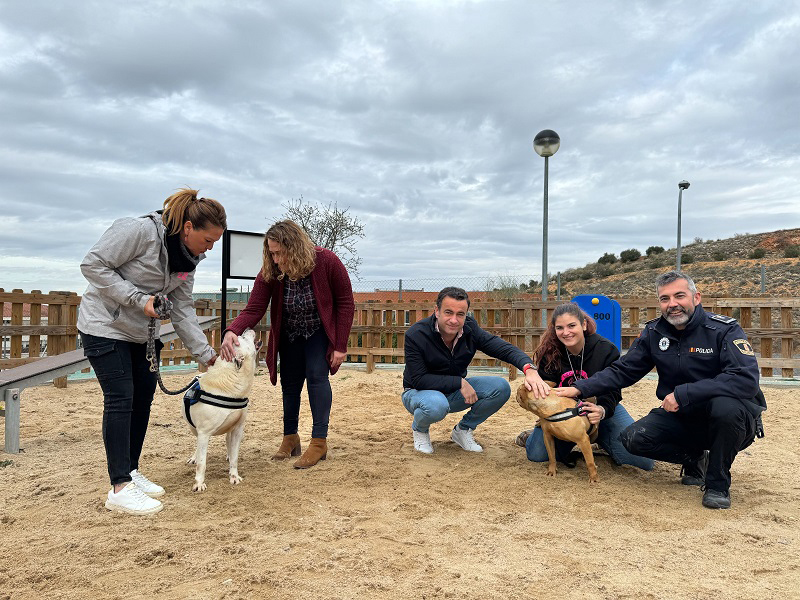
{"points": [[708, 386]]}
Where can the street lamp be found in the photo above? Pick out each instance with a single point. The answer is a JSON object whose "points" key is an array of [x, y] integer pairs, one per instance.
{"points": [[546, 143], [682, 185]]}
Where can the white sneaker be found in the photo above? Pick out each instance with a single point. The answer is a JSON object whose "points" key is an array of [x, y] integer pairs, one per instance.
{"points": [[463, 437], [422, 442], [148, 487], [132, 500]]}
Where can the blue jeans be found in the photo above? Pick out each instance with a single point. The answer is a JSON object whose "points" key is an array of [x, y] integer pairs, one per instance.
{"points": [[304, 361], [430, 406], [607, 438]]}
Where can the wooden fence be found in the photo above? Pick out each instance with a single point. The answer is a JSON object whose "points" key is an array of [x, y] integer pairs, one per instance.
{"points": [[378, 334], [29, 312]]}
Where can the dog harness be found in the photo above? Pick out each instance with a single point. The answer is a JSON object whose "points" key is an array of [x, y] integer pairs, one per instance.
{"points": [[575, 411], [196, 394]]}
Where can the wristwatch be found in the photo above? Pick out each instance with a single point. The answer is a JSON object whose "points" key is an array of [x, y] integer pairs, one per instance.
{"points": [[529, 366]]}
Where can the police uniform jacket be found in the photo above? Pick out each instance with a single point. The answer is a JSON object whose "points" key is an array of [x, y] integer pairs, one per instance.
{"points": [[431, 365], [709, 357]]}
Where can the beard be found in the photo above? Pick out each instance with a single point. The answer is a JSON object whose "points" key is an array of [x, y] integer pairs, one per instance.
{"points": [[678, 317]]}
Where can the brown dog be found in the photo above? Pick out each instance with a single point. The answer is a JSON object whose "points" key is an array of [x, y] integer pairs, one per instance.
{"points": [[576, 429]]}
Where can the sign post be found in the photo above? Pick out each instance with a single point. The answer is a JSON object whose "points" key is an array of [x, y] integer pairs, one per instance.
{"points": [[242, 257]]}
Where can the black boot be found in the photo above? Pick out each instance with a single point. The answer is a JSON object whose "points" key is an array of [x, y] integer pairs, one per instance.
{"points": [[716, 499], [693, 471]]}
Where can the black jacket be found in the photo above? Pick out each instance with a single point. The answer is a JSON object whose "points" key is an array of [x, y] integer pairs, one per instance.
{"points": [[598, 353], [431, 366], [709, 357]]}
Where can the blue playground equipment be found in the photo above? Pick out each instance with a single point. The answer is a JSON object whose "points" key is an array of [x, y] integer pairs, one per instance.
{"points": [[606, 313]]}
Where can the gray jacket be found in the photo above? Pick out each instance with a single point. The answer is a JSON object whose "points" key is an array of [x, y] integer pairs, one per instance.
{"points": [[125, 267]]}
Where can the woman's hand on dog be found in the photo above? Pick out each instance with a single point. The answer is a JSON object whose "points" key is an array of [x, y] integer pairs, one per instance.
{"points": [[594, 412], [228, 348], [534, 383]]}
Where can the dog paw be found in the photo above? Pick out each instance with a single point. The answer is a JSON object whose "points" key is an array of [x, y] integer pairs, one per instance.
{"points": [[594, 479], [235, 479], [199, 487], [552, 472], [191, 460]]}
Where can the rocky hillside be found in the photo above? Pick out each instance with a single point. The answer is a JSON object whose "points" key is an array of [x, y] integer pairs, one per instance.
{"points": [[730, 267]]}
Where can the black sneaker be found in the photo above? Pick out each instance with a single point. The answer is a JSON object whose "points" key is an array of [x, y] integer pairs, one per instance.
{"points": [[716, 499], [571, 460], [693, 471]]}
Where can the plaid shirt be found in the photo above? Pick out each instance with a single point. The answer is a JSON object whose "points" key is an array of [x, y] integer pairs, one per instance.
{"points": [[300, 309]]}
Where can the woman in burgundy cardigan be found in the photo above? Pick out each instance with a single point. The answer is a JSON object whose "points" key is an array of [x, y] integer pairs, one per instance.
{"points": [[311, 313]]}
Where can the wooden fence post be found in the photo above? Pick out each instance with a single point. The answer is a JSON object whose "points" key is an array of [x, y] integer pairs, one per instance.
{"points": [[787, 343], [766, 342]]}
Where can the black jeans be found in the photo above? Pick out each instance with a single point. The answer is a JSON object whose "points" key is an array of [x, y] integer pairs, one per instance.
{"points": [[304, 360], [128, 387], [723, 426]]}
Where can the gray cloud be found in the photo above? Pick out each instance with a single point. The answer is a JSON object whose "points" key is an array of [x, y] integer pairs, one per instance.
{"points": [[419, 116]]}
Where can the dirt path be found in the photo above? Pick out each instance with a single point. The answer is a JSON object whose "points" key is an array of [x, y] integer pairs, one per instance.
{"points": [[377, 520]]}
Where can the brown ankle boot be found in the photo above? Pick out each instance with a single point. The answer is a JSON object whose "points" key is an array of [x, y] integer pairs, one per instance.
{"points": [[317, 450], [290, 446]]}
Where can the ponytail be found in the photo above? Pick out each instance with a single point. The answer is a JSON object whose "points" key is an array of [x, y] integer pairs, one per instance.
{"points": [[184, 205]]}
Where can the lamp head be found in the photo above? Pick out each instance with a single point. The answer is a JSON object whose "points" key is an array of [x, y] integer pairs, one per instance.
{"points": [[683, 184], [546, 143]]}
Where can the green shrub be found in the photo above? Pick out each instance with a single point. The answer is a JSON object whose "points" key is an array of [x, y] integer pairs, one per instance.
{"points": [[757, 253], [604, 271], [586, 275], [607, 259], [792, 251], [719, 255], [687, 259], [654, 250], [629, 255]]}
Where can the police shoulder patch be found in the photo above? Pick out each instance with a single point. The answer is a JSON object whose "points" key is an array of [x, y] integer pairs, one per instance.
{"points": [[721, 318], [744, 347]]}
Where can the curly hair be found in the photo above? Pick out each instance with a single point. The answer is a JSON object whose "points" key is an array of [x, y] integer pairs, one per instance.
{"points": [[184, 205], [548, 354], [299, 248]]}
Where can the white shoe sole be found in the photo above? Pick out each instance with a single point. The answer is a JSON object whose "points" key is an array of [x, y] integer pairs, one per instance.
{"points": [[424, 450], [119, 508], [154, 494]]}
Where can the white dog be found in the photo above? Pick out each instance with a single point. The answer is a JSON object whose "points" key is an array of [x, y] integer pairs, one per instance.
{"points": [[217, 404]]}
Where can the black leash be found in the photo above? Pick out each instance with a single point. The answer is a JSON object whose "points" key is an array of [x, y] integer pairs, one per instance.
{"points": [[163, 307]]}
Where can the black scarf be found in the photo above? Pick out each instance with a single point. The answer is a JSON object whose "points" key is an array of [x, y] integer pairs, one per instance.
{"points": [[180, 259]]}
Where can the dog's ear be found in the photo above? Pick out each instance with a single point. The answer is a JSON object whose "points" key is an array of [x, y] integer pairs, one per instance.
{"points": [[522, 396]]}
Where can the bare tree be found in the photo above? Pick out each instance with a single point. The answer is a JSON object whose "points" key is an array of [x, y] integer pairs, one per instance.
{"points": [[330, 227]]}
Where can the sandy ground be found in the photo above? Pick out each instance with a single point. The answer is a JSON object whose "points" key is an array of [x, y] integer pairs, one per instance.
{"points": [[378, 520]]}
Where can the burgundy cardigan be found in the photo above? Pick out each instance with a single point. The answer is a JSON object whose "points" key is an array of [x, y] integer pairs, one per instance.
{"points": [[334, 297]]}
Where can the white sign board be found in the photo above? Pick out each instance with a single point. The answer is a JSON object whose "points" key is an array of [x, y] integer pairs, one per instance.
{"points": [[246, 254]]}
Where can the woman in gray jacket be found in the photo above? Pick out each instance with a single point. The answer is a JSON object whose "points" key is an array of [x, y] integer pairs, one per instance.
{"points": [[133, 260]]}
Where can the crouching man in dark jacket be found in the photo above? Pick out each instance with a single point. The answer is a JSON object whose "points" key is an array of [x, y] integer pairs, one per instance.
{"points": [[708, 386], [438, 351]]}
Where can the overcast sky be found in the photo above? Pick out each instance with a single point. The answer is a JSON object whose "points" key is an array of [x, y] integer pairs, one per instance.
{"points": [[419, 116]]}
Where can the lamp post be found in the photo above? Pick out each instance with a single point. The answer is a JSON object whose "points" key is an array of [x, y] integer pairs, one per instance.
{"points": [[682, 185], [546, 143]]}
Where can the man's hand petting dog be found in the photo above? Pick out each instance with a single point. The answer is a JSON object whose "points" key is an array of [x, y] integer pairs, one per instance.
{"points": [[228, 348], [534, 384]]}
